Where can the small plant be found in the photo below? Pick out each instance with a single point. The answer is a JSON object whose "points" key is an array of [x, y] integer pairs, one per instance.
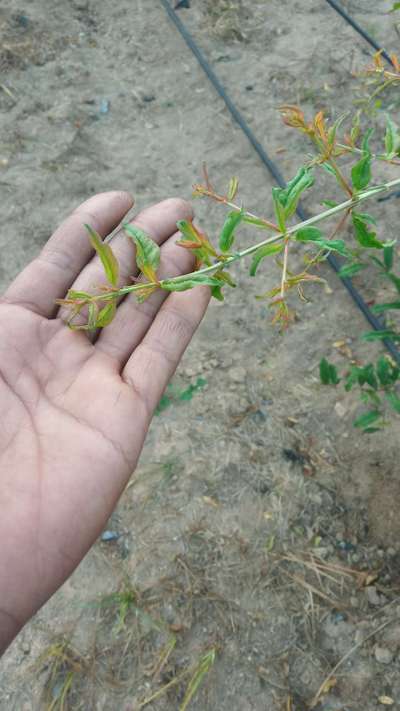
{"points": [[349, 159]]}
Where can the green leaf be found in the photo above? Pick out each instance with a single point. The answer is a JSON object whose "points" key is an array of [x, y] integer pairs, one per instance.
{"points": [[232, 188], [216, 292], [330, 203], [106, 255], [147, 251], [247, 219], [328, 169], [227, 235], [280, 212], [395, 280], [92, 316], [394, 401], [369, 418], [363, 236], [361, 376], [392, 138], [312, 234], [190, 283], [365, 141], [350, 270], [286, 199], [261, 253], [365, 217], [106, 315], [361, 173], [380, 335], [380, 308], [388, 374], [388, 255], [328, 373], [396, 6]]}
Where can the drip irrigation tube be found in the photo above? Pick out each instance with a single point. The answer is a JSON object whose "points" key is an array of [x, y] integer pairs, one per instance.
{"points": [[270, 165], [350, 21]]}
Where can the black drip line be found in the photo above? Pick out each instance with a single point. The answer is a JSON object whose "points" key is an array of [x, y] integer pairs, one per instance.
{"points": [[269, 163]]}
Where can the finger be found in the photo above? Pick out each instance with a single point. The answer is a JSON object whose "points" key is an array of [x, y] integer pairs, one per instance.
{"points": [[51, 274], [158, 221], [155, 359], [132, 319]]}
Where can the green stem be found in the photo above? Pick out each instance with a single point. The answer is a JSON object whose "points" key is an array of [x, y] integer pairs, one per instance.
{"points": [[347, 205]]}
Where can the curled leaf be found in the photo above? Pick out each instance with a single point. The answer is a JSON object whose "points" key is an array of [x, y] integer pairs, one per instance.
{"points": [[189, 283], [106, 255], [227, 235], [261, 253], [232, 188], [147, 251]]}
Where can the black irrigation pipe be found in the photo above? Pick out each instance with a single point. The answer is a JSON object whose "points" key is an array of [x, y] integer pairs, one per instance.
{"points": [[271, 166], [350, 21]]}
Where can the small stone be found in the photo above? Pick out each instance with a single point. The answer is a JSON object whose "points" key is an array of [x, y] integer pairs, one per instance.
{"points": [[237, 374], [340, 409], [383, 655], [373, 597], [147, 98], [26, 647], [391, 552]]}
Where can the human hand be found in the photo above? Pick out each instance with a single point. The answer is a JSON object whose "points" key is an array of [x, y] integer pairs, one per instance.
{"points": [[74, 413]]}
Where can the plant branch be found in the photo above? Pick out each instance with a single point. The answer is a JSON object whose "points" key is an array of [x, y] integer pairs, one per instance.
{"points": [[348, 205]]}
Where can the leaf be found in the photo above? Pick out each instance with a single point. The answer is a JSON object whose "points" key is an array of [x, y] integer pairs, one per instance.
{"points": [[363, 236], [365, 141], [106, 315], [216, 292], [328, 169], [227, 235], [106, 255], [147, 251], [286, 199], [368, 219], [232, 188], [388, 256], [328, 373], [92, 316], [361, 173], [256, 221], [393, 400], [190, 283], [395, 280], [330, 203], [392, 138], [312, 234], [369, 418], [396, 6], [380, 335], [388, 374], [361, 376], [380, 308], [351, 269], [261, 253]]}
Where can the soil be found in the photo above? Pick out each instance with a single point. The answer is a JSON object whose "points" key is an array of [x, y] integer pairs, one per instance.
{"points": [[260, 528]]}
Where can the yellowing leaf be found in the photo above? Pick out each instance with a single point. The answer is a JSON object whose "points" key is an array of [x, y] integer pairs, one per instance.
{"points": [[106, 255], [147, 251]]}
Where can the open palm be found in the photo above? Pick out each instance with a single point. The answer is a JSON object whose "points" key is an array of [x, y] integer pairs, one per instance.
{"points": [[74, 412]]}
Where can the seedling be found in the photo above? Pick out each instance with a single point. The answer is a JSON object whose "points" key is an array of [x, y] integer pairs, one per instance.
{"points": [[348, 158]]}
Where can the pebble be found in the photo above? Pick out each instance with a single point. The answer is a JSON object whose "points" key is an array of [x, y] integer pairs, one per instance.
{"points": [[237, 374], [110, 536], [373, 597], [340, 409], [383, 655]]}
